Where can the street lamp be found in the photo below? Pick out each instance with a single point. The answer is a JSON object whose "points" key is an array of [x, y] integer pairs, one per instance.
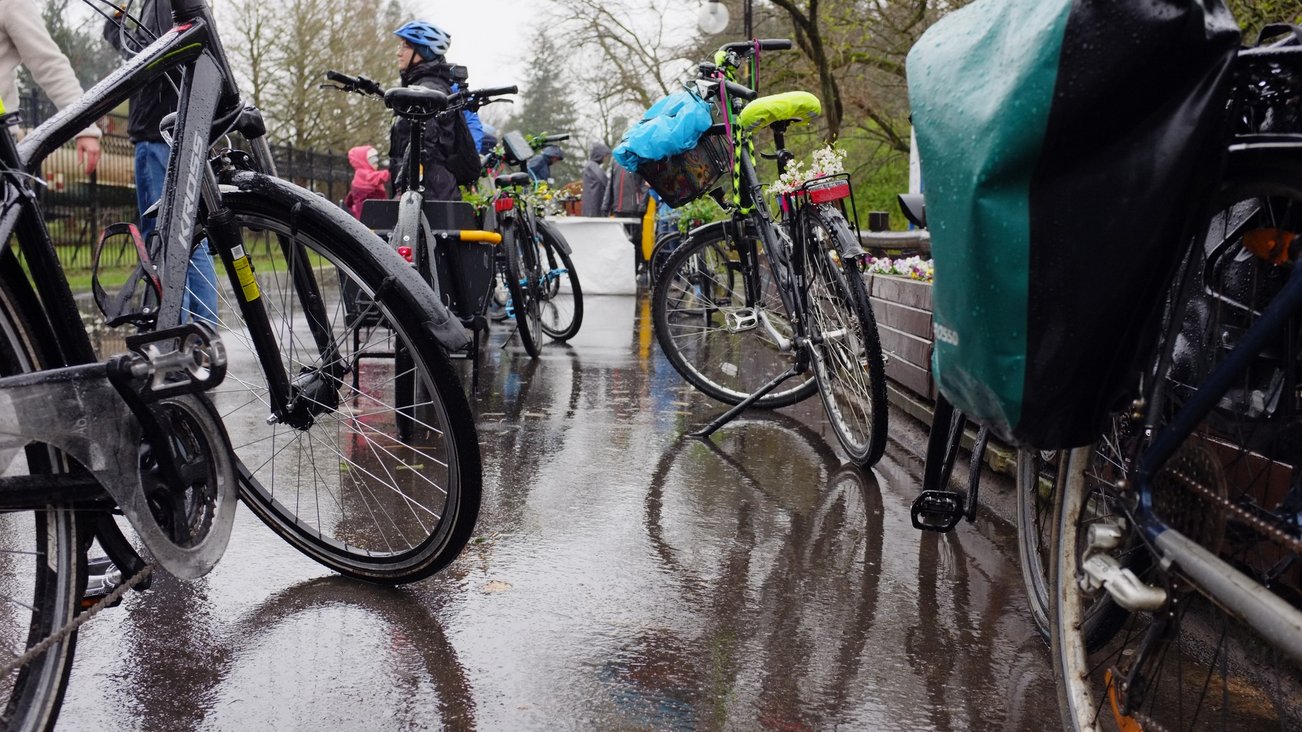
{"points": [[713, 17]]}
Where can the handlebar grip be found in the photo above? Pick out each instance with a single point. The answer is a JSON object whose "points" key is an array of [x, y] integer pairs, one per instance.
{"points": [[775, 44], [497, 91], [744, 92], [333, 75], [555, 138]]}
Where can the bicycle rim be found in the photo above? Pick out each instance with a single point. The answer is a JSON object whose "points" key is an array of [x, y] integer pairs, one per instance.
{"points": [[1192, 664], [42, 575], [523, 280], [696, 306], [383, 482], [561, 303], [847, 352]]}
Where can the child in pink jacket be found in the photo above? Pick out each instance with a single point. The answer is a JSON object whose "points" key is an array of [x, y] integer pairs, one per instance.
{"points": [[368, 182]]}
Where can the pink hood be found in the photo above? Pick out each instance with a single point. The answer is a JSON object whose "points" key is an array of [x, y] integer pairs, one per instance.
{"points": [[366, 177]]}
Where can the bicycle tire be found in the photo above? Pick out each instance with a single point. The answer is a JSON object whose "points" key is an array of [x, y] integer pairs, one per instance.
{"points": [[847, 350], [1036, 483], [1197, 664], [522, 282], [384, 481], [691, 323], [44, 573], [661, 251], [561, 308]]}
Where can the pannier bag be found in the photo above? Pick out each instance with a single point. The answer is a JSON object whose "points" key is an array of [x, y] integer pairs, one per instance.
{"points": [[1065, 146], [671, 126]]}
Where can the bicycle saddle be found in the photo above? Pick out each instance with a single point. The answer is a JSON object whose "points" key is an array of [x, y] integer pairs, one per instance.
{"points": [[508, 180], [794, 106], [415, 102]]}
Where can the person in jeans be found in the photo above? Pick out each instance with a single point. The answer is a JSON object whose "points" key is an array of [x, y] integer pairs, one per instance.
{"points": [[25, 40], [147, 109]]}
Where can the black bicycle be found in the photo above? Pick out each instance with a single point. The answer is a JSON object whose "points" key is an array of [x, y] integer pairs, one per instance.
{"points": [[546, 298], [442, 239], [746, 304], [380, 481]]}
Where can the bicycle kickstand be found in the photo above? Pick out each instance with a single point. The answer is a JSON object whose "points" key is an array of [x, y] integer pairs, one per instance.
{"points": [[731, 414]]}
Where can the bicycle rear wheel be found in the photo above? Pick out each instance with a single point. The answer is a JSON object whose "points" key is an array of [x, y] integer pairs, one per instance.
{"points": [[848, 363], [707, 328], [378, 475], [43, 572], [561, 306], [523, 279], [1231, 489]]}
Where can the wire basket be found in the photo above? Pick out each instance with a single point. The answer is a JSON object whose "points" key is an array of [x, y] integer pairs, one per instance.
{"points": [[687, 176], [1268, 91]]}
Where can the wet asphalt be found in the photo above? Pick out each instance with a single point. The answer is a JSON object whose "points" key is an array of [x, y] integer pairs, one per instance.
{"points": [[622, 577]]}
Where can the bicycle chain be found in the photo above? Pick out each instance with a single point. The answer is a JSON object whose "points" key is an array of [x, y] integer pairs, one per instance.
{"points": [[1270, 530], [81, 619]]}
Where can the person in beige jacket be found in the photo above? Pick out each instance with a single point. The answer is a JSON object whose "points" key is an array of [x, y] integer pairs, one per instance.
{"points": [[25, 40]]}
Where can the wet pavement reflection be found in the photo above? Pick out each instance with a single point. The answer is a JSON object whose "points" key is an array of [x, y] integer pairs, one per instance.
{"points": [[621, 577]]}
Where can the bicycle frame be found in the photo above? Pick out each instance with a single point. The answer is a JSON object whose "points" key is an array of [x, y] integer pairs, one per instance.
{"points": [[209, 107]]}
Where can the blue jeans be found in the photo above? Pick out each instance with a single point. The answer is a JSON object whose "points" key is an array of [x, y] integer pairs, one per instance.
{"points": [[200, 300]]}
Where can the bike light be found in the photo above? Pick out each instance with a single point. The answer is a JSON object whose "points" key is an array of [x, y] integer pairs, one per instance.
{"points": [[406, 253], [829, 193], [505, 203]]}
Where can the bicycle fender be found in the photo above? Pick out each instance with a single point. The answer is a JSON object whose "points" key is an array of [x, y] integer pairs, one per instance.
{"points": [[554, 236], [440, 321]]}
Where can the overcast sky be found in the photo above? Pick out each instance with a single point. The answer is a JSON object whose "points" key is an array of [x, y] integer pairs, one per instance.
{"points": [[490, 37]]}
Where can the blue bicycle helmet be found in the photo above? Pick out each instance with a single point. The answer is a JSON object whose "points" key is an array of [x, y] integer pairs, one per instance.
{"points": [[428, 39]]}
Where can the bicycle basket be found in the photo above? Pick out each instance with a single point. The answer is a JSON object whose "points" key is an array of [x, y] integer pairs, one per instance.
{"points": [[1268, 87], [687, 176]]}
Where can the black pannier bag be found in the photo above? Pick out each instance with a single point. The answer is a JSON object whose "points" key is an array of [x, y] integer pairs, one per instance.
{"points": [[1066, 147]]}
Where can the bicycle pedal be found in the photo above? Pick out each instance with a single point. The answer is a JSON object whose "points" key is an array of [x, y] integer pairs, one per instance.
{"points": [[102, 577], [937, 510]]}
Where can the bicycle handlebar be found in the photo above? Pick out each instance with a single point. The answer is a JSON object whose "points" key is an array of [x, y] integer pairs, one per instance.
{"points": [[358, 84], [739, 90], [543, 140], [765, 44]]}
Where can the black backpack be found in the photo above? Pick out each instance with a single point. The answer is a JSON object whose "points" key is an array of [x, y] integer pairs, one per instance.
{"points": [[463, 159]]}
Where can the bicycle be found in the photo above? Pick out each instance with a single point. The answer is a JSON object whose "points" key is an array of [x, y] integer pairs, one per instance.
{"points": [[459, 274], [535, 264], [747, 303], [560, 293], [146, 433], [1175, 568], [937, 508]]}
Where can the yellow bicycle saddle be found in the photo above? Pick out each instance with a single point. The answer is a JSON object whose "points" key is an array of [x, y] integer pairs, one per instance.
{"points": [[796, 106]]}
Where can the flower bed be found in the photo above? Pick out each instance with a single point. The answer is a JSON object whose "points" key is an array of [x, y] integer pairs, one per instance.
{"points": [[915, 268]]}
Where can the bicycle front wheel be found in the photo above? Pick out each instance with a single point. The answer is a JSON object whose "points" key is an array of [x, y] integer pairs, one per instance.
{"points": [[376, 473], [847, 350], [43, 574], [711, 331], [561, 304], [1224, 501], [523, 278]]}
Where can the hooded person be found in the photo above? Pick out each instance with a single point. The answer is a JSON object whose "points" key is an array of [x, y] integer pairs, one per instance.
{"points": [[594, 180], [540, 165], [368, 182], [421, 62]]}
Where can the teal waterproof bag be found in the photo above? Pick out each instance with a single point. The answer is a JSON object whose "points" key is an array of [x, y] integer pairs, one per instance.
{"points": [[1065, 147]]}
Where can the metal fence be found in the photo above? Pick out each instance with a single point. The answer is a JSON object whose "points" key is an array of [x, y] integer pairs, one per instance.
{"points": [[77, 206]]}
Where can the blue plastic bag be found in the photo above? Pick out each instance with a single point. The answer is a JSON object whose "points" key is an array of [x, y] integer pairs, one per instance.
{"points": [[670, 127]]}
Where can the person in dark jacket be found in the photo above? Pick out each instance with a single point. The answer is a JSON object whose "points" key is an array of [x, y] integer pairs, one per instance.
{"points": [[421, 62], [540, 165], [594, 180], [147, 109]]}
